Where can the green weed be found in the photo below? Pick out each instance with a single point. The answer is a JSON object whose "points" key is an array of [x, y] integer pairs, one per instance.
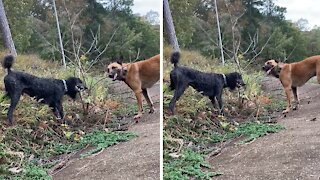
{"points": [[189, 165], [253, 130], [32, 172]]}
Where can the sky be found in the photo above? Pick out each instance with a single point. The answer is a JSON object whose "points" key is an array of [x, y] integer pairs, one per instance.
{"points": [[143, 6], [306, 9]]}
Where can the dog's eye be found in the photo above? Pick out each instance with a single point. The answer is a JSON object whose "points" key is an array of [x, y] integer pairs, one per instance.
{"points": [[113, 67]]}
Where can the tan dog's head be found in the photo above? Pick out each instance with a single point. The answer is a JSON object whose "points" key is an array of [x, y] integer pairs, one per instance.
{"points": [[272, 67], [117, 71]]}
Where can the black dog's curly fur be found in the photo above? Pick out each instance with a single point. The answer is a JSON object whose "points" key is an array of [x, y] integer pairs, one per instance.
{"points": [[45, 90], [208, 84]]}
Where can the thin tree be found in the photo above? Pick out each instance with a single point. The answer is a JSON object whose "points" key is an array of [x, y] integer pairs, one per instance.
{"points": [[219, 31], [170, 27], [59, 34], [4, 25]]}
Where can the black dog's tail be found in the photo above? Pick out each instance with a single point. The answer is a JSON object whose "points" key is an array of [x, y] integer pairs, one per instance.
{"points": [[175, 56], [7, 62]]}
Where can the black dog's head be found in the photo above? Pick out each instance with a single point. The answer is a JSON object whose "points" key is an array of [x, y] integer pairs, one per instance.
{"points": [[74, 85], [117, 71], [272, 67], [234, 80]]}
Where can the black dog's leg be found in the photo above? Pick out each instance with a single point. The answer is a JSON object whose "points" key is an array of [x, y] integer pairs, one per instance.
{"points": [[14, 101], [213, 101], [219, 99], [177, 94], [172, 83], [149, 101], [55, 110], [60, 110]]}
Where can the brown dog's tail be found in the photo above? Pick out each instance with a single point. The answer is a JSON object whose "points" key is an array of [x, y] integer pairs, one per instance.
{"points": [[7, 62], [175, 56]]}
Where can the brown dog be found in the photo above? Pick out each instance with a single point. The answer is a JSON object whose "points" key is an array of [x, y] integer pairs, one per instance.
{"points": [[138, 76], [294, 75]]}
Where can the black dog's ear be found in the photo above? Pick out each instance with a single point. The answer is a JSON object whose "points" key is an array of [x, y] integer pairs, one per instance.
{"points": [[120, 60]]}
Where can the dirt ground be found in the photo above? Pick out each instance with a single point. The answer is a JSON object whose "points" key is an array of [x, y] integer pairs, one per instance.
{"points": [[293, 153], [138, 158]]}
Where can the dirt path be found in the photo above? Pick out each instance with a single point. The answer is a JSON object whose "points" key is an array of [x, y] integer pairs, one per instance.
{"points": [[138, 158], [293, 153]]}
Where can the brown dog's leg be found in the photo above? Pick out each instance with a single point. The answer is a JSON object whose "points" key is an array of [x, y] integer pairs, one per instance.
{"points": [[149, 101], [288, 93], [296, 99], [139, 99]]}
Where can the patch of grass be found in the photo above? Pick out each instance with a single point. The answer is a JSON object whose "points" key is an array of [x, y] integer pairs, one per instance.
{"points": [[99, 140], [253, 130], [32, 172], [189, 165]]}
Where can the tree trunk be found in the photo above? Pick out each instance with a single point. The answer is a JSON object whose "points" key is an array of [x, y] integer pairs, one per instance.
{"points": [[4, 25], [219, 31], [170, 27], [59, 34]]}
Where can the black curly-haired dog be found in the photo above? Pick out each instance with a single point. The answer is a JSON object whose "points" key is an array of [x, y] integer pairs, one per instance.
{"points": [[208, 84], [45, 90]]}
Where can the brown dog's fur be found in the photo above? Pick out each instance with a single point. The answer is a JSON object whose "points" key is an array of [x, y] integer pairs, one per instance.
{"points": [[294, 75], [138, 76]]}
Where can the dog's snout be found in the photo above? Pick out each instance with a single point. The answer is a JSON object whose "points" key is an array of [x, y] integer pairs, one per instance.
{"points": [[266, 67], [242, 83], [81, 86]]}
